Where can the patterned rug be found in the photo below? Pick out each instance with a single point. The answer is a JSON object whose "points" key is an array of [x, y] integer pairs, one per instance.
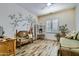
{"points": [[39, 48]]}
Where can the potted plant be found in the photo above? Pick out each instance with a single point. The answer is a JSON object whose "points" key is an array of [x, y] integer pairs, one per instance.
{"points": [[57, 36], [63, 29]]}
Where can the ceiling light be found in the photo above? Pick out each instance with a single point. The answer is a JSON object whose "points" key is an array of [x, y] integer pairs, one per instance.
{"points": [[48, 4]]}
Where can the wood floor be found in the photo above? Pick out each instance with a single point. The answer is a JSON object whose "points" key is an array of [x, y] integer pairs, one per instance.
{"points": [[39, 48]]}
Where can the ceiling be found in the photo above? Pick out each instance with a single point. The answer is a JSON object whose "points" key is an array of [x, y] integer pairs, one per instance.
{"points": [[42, 8]]}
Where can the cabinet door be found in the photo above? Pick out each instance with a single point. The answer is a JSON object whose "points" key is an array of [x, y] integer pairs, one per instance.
{"points": [[8, 47], [4, 48], [11, 46]]}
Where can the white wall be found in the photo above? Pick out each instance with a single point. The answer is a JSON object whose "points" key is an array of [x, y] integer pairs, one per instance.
{"points": [[77, 17], [7, 9]]}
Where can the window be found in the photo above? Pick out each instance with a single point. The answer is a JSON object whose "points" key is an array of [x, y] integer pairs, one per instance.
{"points": [[48, 26], [52, 26]]}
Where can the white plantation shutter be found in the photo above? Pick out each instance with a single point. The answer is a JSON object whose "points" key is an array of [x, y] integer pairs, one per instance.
{"points": [[48, 26], [52, 26]]}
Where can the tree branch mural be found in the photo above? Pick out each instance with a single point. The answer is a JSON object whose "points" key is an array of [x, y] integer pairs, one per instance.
{"points": [[19, 18]]}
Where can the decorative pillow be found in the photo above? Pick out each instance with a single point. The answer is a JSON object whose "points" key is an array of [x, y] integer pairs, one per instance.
{"points": [[71, 35], [74, 36], [77, 36], [30, 35]]}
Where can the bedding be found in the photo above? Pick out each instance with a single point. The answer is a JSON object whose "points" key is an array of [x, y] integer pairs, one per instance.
{"points": [[69, 47]]}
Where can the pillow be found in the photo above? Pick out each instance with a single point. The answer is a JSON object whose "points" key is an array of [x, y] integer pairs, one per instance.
{"points": [[30, 35], [68, 36], [77, 36], [71, 35], [74, 36]]}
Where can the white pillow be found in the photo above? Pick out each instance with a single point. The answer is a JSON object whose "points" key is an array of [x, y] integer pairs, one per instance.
{"points": [[30, 35], [78, 36]]}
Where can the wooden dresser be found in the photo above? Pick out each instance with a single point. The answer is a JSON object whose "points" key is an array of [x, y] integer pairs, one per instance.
{"points": [[7, 46]]}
